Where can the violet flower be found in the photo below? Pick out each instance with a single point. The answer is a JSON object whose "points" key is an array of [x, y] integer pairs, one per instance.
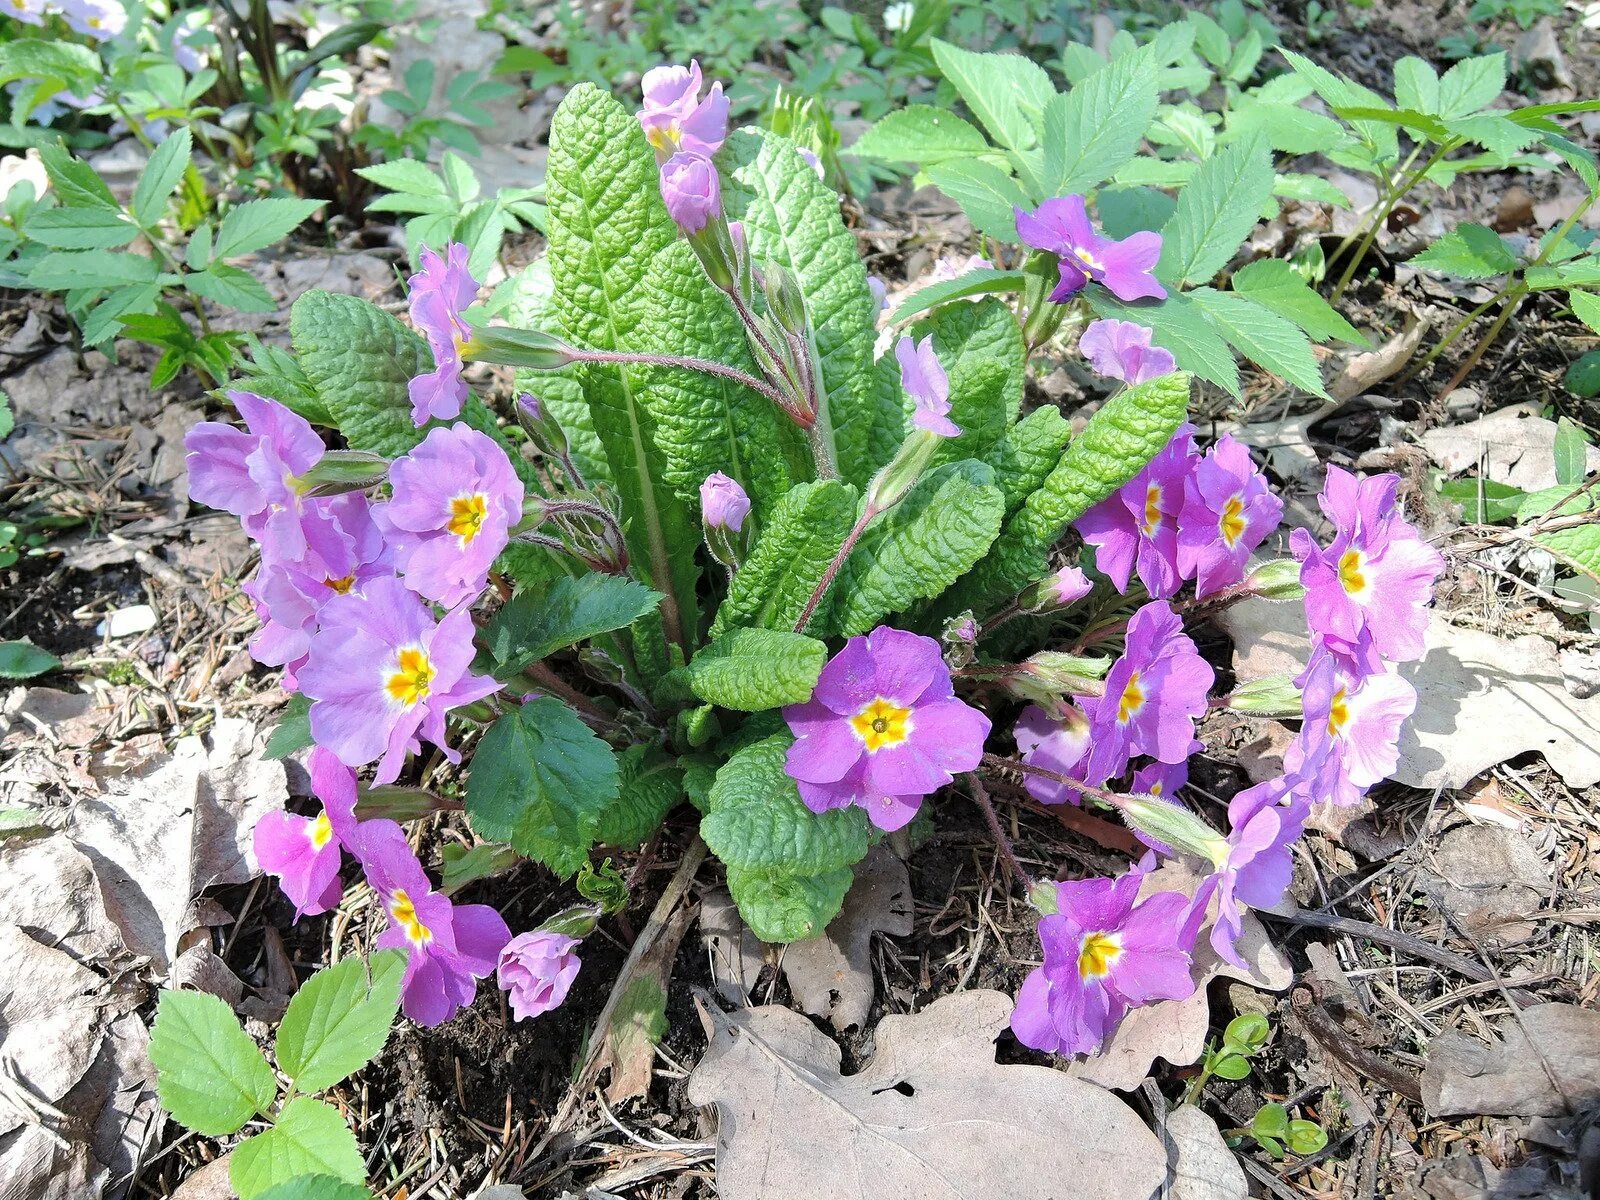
{"points": [[254, 472], [1350, 739], [674, 117], [98, 19], [1125, 268], [449, 947], [1059, 744], [1136, 528], [883, 729], [925, 381], [440, 292], [302, 853], [382, 674], [29, 12], [1255, 864], [1228, 510], [536, 970], [1122, 350], [691, 190], [1367, 592], [723, 503], [1153, 694], [1105, 952], [456, 497]]}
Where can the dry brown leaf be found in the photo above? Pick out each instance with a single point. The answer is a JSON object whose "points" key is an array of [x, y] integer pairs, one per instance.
{"points": [[1546, 1063], [831, 975], [1514, 445], [1202, 1166], [736, 954], [1364, 371], [210, 1182], [51, 1014], [1480, 699], [51, 891], [933, 1117], [1486, 877], [1176, 1029]]}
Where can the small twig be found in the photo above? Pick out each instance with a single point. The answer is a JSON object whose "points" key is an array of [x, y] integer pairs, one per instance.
{"points": [[1332, 1037], [1013, 865]]}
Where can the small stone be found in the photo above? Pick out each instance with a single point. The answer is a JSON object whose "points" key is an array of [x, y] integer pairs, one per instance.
{"points": [[1464, 404], [124, 622], [1537, 55]]}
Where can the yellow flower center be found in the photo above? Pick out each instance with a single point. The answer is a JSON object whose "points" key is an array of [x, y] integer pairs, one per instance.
{"points": [[412, 678], [320, 831], [1352, 572], [1152, 510], [1099, 952], [342, 585], [467, 514], [1232, 524], [1087, 263], [404, 914], [1155, 787], [882, 723], [667, 137], [1338, 713], [1132, 701]]}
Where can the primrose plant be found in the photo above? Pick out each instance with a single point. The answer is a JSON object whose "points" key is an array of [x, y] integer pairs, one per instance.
{"points": [[792, 584]]}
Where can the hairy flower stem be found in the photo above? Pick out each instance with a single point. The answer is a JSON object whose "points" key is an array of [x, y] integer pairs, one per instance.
{"points": [[1115, 800], [1010, 612], [992, 820], [704, 365], [826, 581], [542, 677]]}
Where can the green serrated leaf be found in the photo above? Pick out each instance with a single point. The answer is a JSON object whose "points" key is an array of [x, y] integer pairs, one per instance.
{"points": [[62, 270], [803, 534], [792, 218], [24, 660], [315, 1187], [1571, 453], [308, 1138], [541, 780], [1586, 307], [76, 183], [1472, 84], [1216, 211], [1261, 335], [1026, 455], [1006, 92], [1578, 547], [988, 195], [533, 625], [66, 228], [755, 669], [339, 1020], [1468, 252], [921, 134], [920, 547], [404, 175], [652, 785], [981, 282], [1275, 284], [231, 286], [161, 176], [209, 1074], [1092, 130], [257, 224]]}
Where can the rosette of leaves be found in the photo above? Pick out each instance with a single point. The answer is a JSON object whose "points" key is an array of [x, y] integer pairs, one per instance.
{"points": [[688, 670]]}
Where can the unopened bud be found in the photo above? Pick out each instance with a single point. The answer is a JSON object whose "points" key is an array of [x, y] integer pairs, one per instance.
{"points": [[960, 639], [1276, 579], [784, 298], [1175, 826], [519, 348], [1056, 591], [543, 430], [892, 484], [1051, 674], [1045, 897], [576, 922], [340, 471], [1274, 696]]}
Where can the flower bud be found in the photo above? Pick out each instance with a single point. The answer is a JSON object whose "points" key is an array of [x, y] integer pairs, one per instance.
{"points": [[894, 482], [1274, 696], [519, 348], [543, 430], [723, 503], [1175, 826], [691, 189], [960, 639], [1060, 590], [1276, 579], [344, 471], [575, 922], [783, 297], [1045, 897], [1051, 674]]}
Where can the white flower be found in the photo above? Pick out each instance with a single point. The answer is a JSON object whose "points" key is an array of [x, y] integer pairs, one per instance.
{"points": [[897, 17]]}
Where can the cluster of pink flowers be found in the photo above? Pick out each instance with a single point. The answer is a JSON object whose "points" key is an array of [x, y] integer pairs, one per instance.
{"points": [[364, 599], [1193, 517], [685, 131]]}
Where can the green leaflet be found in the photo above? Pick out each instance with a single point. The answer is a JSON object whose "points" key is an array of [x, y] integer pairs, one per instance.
{"points": [[805, 531], [1028, 452], [309, 1137], [784, 861], [1264, 337], [980, 346], [534, 624], [360, 359], [791, 217], [607, 224], [755, 669], [1119, 440], [1216, 211], [921, 546], [652, 784], [704, 423]]}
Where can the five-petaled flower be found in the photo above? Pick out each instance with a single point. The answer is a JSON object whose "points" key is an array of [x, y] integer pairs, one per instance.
{"points": [[1105, 951], [1125, 268], [382, 674], [1056, 743], [1254, 863], [440, 292], [302, 853], [1350, 738], [674, 117], [1136, 528], [883, 729], [456, 497], [1122, 350], [1228, 510]]}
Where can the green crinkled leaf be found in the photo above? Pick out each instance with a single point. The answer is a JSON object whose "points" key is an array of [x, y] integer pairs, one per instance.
{"points": [[919, 547], [339, 1020], [308, 1138], [1262, 336], [541, 780], [1216, 211], [652, 784], [1119, 440], [1027, 453], [805, 531], [607, 224], [209, 1073], [792, 218], [755, 669], [1578, 546], [1274, 283], [533, 625], [704, 423], [756, 821], [980, 346], [788, 908]]}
